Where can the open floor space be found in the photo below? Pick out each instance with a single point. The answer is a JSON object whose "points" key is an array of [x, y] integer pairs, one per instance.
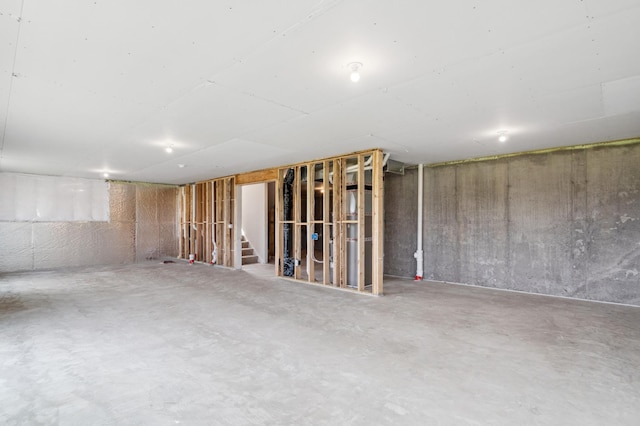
{"points": [[320, 212], [173, 343]]}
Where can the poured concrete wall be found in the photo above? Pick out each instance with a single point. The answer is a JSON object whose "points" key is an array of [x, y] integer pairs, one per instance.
{"points": [[142, 225], [564, 223], [400, 223]]}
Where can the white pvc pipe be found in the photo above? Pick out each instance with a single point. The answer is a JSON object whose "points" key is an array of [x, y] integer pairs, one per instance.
{"points": [[419, 253]]}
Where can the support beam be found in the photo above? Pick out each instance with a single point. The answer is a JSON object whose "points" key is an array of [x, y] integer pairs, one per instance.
{"points": [[378, 224], [257, 176]]}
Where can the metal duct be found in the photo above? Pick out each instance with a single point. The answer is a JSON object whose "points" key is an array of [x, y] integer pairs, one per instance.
{"points": [[288, 263]]}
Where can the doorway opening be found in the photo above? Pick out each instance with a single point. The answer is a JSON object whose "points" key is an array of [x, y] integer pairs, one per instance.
{"points": [[258, 223]]}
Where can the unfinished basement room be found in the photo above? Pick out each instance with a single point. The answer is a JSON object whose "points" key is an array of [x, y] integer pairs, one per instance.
{"points": [[320, 212]]}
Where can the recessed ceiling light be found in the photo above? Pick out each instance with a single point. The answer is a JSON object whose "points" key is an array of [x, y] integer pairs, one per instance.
{"points": [[105, 175], [354, 67], [502, 136], [182, 166], [168, 150]]}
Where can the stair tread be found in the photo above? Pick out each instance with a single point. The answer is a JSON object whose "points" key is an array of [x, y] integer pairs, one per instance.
{"points": [[247, 260], [248, 253]]}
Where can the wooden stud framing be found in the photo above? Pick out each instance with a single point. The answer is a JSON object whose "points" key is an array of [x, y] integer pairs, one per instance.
{"points": [[188, 228], [337, 222], [279, 222], [311, 171], [227, 216], [207, 223], [181, 224], [361, 223], [378, 225], [343, 223], [218, 219], [208, 216], [326, 224], [224, 224], [192, 217], [198, 222]]}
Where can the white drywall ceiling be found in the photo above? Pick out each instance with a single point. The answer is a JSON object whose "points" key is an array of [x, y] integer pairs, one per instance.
{"points": [[88, 87]]}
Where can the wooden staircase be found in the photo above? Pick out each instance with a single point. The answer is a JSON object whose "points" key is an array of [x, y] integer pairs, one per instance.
{"points": [[248, 255]]}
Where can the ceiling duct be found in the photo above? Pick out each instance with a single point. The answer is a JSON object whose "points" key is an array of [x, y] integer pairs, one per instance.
{"points": [[394, 166]]}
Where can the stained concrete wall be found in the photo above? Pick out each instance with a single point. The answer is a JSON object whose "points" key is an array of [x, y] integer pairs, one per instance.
{"points": [[142, 225], [564, 223], [400, 223]]}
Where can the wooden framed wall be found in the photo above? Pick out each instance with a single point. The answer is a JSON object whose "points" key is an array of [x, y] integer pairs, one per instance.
{"points": [[207, 221], [329, 222]]}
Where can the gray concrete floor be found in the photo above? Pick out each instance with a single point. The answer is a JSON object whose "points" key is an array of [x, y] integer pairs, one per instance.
{"points": [[167, 344]]}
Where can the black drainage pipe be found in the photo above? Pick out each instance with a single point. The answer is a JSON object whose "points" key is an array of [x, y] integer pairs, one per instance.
{"points": [[288, 262]]}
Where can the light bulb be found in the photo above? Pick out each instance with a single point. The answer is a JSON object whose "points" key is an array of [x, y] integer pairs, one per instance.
{"points": [[502, 136], [169, 150], [355, 71]]}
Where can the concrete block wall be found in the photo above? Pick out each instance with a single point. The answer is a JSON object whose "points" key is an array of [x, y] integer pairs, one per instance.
{"points": [[564, 223], [142, 225]]}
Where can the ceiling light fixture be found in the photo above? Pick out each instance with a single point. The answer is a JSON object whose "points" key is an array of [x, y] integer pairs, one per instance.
{"points": [[354, 67], [503, 136], [181, 166], [106, 175], [169, 150]]}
